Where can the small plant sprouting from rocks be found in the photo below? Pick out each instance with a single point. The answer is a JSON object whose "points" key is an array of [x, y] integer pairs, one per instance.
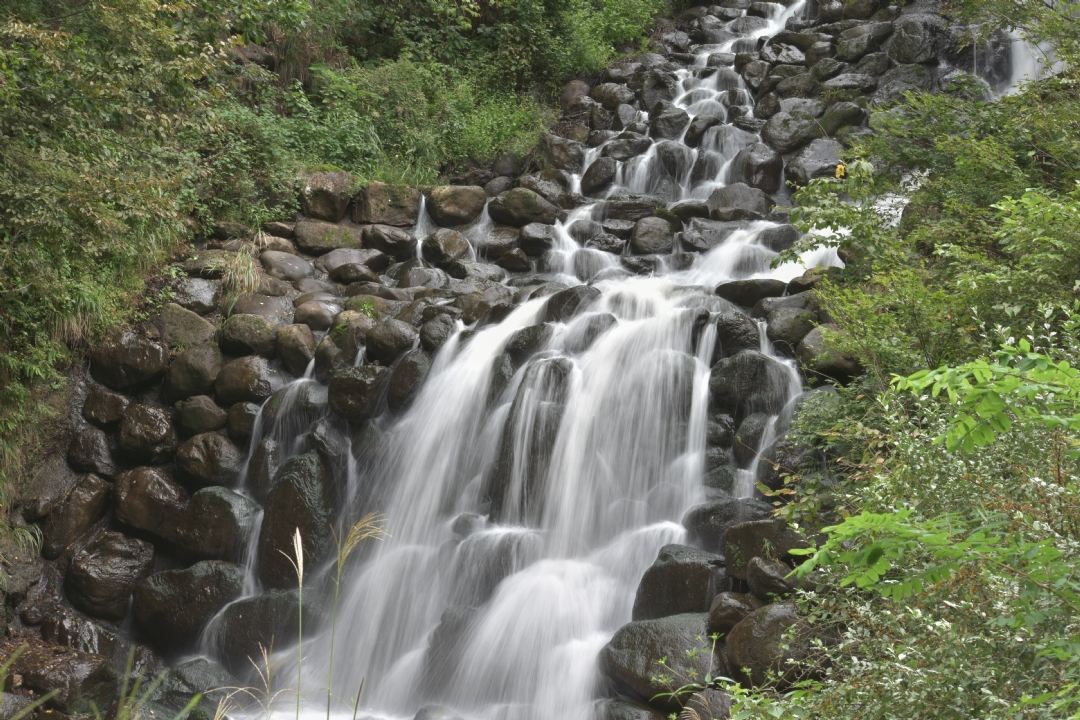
{"points": [[689, 683]]}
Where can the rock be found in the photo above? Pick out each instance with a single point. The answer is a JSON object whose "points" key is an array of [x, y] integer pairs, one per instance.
{"points": [[852, 81], [697, 128], [768, 579], [564, 305], [83, 681], [758, 538], [873, 64], [193, 372], [216, 525], [316, 315], [536, 239], [748, 438], [435, 332], [651, 235], [709, 703], [182, 327], [526, 342], [755, 73], [209, 459], [758, 166], [899, 80], [630, 660], [841, 115], [383, 204], [669, 123], [917, 38], [706, 524], [739, 201], [561, 153], [748, 382], [389, 339], [242, 416], [728, 609], [125, 360], [657, 86], [606, 243], [759, 643], [778, 238], [444, 246], [572, 91], [277, 310], [104, 407], [89, 451], [790, 131], [103, 574], [325, 195], [407, 378], [682, 580], [451, 205], [263, 621], [200, 414], [249, 379], [828, 68], [208, 264], [813, 108], [285, 266], [346, 273], [781, 54], [147, 499], [263, 466], [819, 360], [852, 44], [248, 335], [296, 347], [747, 292], [356, 392], [331, 262], [610, 709], [599, 175], [798, 86], [625, 146], [520, 206], [296, 501], [316, 237], [198, 295], [147, 435], [74, 515], [172, 607], [788, 326], [393, 241], [187, 679]]}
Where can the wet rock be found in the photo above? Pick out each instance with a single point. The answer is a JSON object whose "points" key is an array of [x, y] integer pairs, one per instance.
{"points": [[209, 459], [318, 316], [147, 434], [470, 270], [768, 579], [778, 238], [899, 80], [739, 201], [536, 239], [564, 305], [451, 205], [407, 377], [669, 123], [296, 347], [770, 538], [682, 580], [248, 335], [790, 131], [264, 464], [104, 407], [852, 81], [514, 260], [435, 332], [873, 64], [728, 609], [200, 414], [747, 292], [178, 326], [316, 237], [147, 499], [758, 166], [917, 38], [392, 241], [207, 264], [263, 621], [474, 305], [754, 73], [748, 438], [103, 574], [746, 383], [610, 709], [84, 681], [172, 607], [759, 643], [50, 483], [806, 106], [193, 372], [445, 246], [625, 146], [277, 310], [285, 266], [216, 525], [781, 54], [572, 91], [74, 515], [241, 422], [788, 326], [325, 195], [296, 501], [657, 86], [187, 679], [521, 206], [389, 339], [698, 127], [125, 360], [198, 295], [611, 95], [706, 524], [383, 204], [248, 379], [821, 361], [356, 392], [651, 235], [852, 44], [709, 703], [599, 175], [841, 115], [89, 451], [802, 85], [630, 660], [339, 264], [828, 68], [561, 153]]}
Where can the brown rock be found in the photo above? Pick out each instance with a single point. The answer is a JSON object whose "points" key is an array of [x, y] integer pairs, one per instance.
{"points": [[103, 407], [148, 499], [103, 574], [74, 515], [147, 435], [383, 204]]}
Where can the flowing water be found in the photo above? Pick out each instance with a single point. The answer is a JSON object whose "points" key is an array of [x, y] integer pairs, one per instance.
{"points": [[523, 514]]}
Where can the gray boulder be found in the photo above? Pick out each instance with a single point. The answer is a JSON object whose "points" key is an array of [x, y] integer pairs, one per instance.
{"points": [[790, 131], [89, 451], [599, 175], [147, 434], [392, 241], [407, 377], [180, 327], [216, 525], [651, 235], [759, 644], [147, 499], [917, 38], [706, 524], [193, 372], [356, 392], [296, 347], [125, 360], [758, 166], [248, 335], [172, 607], [69, 520], [769, 538], [669, 123], [248, 379], [296, 503], [521, 206], [285, 266], [103, 574], [387, 205], [682, 580], [739, 201], [748, 382], [451, 205], [209, 459], [444, 246], [325, 195], [200, 414], [316, 237], [728, 609]]}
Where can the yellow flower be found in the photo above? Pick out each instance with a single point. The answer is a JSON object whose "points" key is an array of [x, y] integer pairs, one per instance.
{"points": [[841, 170]]}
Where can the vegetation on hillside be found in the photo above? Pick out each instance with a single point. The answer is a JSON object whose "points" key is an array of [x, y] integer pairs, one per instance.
{"points": [[126, 126]]}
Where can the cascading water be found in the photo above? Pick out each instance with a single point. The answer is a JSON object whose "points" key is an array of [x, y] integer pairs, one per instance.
{"points": [[524, 508]]}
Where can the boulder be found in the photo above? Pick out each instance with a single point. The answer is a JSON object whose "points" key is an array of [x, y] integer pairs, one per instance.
{"points": [[759, 644], [768, 579], [758, 166], [564, 305], [74, 515], [435, 332], [269, 620], [841, 115], [200, 414], [104, 407], [739, 201], [216, 525], [103, 574], [296, 503], [658, 86], [318, 316], [561, 153], [748, 292], [180, 327], [902, 79], [682, 580], [788, 326], [799, 86], [355, 393], [147, 434], [781, 54], [172, 607], [611, 95], [611, 709], [728, 609], [629, 661], [198, 295], [147, 499], [193, 372], [873, 64], [316, 237], [599, 175], [383, 204], [392, 241], [125, 360], [242, 416], [444, 246], [855, 42], [209, 459], [755, 72], [89, 451], [790, 131], [705, 524], [917, 38], [695, 132], [748, 438], [325, 194], [187, 679], [521, 206], [285, 266], [770, 538], [822, 362], [451, 205], [572, 91], [669, 123], [296, 347], [778, 238], [626, 145], [331, 262], [407, 377], [735, 332], [651, 235], [748, 382], [389, 339], [83, 681], [828, 67], [537, 238], [248, 379], [852, 81], [275, 309], [248, 335]]}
